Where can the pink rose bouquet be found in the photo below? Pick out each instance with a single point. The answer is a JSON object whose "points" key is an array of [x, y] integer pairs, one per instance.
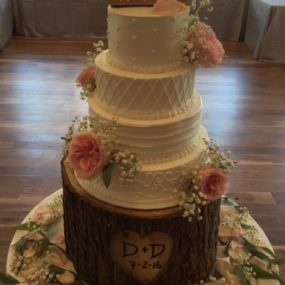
{"points": [[213, 182], [86, 76], [168, 7], [86, 154], [204, 44]]}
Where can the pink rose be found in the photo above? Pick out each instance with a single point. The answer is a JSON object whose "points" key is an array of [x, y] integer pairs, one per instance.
{"points": [[86, 75], [209, 49], [86, 154], [168, 7], [42, 215], [213, 183]]}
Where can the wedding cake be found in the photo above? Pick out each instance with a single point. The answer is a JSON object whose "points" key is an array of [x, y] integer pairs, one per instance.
{"points": [[142, 181]]}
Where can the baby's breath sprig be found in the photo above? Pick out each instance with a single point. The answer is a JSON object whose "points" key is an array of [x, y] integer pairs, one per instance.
{"points": [[128, 164], [189, 54], [88, 89], [92, 54], [219, 158], [103, 129], [192, 200], [198, 5]]}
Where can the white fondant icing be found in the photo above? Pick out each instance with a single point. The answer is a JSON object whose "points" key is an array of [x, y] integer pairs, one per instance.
{"points": [[141, 21], [137, 95], [142, 69], [157, 140], [154, 185]]}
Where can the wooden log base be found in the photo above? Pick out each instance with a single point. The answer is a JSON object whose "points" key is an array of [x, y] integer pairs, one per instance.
{"points": [[110, 245]]}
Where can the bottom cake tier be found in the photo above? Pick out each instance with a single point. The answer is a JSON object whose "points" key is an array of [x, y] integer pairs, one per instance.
{"points": [[112, 245]]}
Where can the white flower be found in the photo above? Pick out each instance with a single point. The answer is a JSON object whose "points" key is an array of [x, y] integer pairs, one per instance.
{"points": [[237, 252]]}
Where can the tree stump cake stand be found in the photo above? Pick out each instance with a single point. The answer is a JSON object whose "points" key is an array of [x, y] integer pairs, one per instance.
{"points": [[111, 245]]}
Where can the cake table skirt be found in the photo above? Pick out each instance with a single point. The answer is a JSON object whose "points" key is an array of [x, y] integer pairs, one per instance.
{"points": [[49, 215]]}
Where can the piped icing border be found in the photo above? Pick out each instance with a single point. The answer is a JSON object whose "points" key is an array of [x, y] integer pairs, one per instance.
{"points": [[142, 69]]}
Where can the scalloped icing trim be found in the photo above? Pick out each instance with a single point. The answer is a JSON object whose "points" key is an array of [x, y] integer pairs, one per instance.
{"points": [[153, 187], [142, 69]]}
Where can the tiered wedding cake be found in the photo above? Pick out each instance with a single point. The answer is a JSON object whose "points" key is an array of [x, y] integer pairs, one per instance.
{"points": [[142, 160], [142, 82]]}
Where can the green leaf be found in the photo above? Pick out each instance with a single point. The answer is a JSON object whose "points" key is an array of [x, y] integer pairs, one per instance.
{"points": [[27, 226], [277, 261], [246, 227], [107, 173], [270, 252], [56, 270], [223, 242], [20, 245], [262, 274], [7, 279], [44, 246], [226, 200], [241, 276]]}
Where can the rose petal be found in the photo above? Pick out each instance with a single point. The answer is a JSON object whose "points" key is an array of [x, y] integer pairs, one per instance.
{"points": [[168, 7]]}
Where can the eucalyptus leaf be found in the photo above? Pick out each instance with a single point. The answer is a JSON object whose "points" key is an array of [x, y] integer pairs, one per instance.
{"points": [[20, 245], [223, 242], [241, 276], [27, 226], [279, 277], [262, 274], [246, 227], [43, 246], [226, 200], [56, 270], [7, 279], [278, 261], [107, 173], [270, 252]]}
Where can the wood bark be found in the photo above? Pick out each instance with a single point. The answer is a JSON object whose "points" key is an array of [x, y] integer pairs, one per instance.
{"points": [[89, 226]]}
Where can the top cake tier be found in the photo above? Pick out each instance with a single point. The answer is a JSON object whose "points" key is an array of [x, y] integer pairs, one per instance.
{"points": [[140, 40]]}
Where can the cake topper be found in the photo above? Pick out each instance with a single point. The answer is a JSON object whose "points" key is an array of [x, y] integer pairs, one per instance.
{"points": [[136, 2]]}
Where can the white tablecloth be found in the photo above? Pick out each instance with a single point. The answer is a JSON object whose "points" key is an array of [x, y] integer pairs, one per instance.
{"points": [[265, 30]]}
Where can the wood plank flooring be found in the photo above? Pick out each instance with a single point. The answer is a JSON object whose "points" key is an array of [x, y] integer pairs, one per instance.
{"points": [[244, 109]]}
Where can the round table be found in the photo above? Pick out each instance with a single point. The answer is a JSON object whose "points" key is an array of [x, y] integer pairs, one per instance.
{"points": [[37, 251]]}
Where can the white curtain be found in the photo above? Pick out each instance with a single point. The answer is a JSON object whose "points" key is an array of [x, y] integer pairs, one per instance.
{"points": [[265, 33]]}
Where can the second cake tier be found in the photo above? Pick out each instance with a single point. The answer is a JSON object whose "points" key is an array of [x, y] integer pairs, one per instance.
{"points": [[143, 96]]}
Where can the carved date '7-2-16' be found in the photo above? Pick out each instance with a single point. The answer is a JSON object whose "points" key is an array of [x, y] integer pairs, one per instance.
{"points": [[141, 257]]}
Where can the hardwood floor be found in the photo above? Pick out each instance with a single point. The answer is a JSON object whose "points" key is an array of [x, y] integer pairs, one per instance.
{"points": [[244, 109]]}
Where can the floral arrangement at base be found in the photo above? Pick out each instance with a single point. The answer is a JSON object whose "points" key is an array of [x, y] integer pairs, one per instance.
{"points": [[208, 181], [90, 148], [37, 253]]}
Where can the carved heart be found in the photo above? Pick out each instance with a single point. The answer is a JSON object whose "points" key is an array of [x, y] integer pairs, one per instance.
{"points": [[143, 257]]}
